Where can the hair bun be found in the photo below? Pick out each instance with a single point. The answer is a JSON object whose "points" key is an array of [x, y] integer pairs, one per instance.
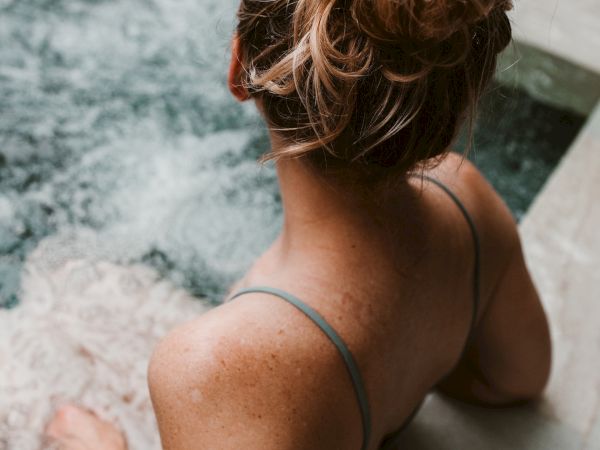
{"points": [[421, 20], [369, 88]]}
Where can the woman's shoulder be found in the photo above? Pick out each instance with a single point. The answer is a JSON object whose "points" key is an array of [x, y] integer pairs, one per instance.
{"points": [[480, 199], [250, 362], [235, 334], [495, 225]]}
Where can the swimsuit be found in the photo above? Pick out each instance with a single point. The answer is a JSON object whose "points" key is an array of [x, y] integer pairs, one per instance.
{"points": [[345, 353]]}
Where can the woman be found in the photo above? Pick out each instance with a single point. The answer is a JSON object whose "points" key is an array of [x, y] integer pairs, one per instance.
{"points": [[398, 269]]}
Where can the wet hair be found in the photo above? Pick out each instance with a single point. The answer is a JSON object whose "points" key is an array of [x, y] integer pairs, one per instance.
{"points": [[369, 87]]}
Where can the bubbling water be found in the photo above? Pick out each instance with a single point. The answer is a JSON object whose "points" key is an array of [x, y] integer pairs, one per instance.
{"points": [[118, 132]]}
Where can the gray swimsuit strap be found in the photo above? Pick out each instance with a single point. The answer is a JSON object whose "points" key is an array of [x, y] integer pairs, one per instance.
{"points": [[477, 252], [391, 441], [346, 355]]}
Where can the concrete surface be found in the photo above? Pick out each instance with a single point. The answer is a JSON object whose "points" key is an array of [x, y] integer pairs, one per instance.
{"points": [[570, 29], [562, 240]]}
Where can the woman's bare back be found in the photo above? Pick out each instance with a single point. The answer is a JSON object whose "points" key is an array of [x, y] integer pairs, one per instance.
{"points": [[401, 297]]}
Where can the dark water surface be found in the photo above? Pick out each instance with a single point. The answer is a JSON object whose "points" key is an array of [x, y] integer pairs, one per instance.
{"points": [[119, 140], [518, 142]]}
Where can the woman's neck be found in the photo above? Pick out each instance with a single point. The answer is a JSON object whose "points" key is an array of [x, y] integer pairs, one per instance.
{"points": [[326, 212]]}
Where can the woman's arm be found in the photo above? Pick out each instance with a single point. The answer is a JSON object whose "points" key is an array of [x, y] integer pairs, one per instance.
{"points": [[508, 359]]}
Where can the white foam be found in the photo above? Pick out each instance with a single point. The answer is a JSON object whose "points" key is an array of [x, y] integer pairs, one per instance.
{"points": [[84, 333]]}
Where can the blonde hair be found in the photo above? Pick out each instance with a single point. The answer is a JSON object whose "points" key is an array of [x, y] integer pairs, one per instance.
{"points": [[369, 85]]}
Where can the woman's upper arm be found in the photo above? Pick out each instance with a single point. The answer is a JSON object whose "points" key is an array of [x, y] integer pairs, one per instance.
{"points": [[512, 340], [508, 358], [236, 378]]}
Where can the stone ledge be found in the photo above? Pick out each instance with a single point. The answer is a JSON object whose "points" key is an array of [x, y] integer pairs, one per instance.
{"points": [[570, 29]]}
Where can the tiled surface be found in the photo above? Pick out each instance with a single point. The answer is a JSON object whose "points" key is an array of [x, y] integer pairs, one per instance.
{"points": [[569, 28]]}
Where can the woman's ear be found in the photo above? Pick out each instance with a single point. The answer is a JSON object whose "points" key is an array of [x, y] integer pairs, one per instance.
{"points": [[236, 69]]}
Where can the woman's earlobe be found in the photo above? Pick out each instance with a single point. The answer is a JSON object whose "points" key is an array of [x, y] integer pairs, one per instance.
{"points": [[236, 69], [237, 89], [239, 92]]}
